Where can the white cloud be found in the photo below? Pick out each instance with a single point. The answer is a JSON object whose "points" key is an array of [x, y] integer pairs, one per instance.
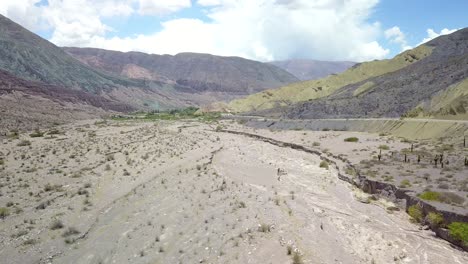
{"points": [[395, 35], [257, 29], [431, 34], [158, 7], [22, 11], [209, 2]]}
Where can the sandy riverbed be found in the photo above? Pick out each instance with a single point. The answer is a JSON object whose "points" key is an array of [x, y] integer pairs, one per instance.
{"points": [[180, 192]]}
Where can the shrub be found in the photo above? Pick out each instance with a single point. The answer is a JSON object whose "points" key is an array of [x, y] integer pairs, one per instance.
{"points": [[351, 139], [324, 164], [297, 259], [316, 144], [405, 183], [443, 197], [53, 132], [459, 231], [29, 242], [264, 228], [70, 232], [435, 219], [2, 162], [4, 212], [289, 250], [36, 133], [416, 213], [24, 143], [56, 224], [384, 147], [430, 196]]}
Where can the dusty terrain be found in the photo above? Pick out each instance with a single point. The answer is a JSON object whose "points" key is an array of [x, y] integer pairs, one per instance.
{"points": [[418, 173], [180, 192]]}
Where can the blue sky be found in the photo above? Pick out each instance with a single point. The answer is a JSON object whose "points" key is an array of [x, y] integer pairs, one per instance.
{"points": [[264, 30], [414, 17]]}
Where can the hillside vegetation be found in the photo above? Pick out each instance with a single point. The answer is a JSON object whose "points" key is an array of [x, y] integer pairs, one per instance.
{"points": [[309, 90]]}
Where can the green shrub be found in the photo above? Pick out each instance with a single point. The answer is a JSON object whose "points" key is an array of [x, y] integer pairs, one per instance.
{"points": [[14, 134], [2, 162], [264, 228], [36, 133], [384, 147], [4, 212], [405, 184], [351, 139], [316, 144], [443, 197], [416, 213], [435, 219], [430, 196], [459, 231], [297, 259], [324, 165]]}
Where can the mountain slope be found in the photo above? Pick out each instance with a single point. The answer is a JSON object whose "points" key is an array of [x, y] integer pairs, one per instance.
{"points": [[435, 82], [28, 56], [191, 71], [26, 104], [168, 82], [313, 69], [309, 90], [394, 94]]}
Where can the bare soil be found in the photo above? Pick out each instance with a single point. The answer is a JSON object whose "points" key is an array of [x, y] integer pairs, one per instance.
{"points": [[180, 192]]}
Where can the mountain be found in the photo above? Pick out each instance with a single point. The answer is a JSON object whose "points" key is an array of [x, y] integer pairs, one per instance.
{"points": [[26, 104], [32, 68], [417, 82], [30, 57], [313, 69], [192, 72]]}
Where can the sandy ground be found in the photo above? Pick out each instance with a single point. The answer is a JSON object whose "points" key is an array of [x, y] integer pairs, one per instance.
{"points": [[450, 180], [179, 192]]}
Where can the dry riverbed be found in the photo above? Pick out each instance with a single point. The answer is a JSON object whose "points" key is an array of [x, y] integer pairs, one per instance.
{"points": [[180, 192]]}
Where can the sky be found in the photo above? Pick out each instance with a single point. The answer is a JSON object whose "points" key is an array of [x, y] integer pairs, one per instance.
{"points": [[264, 30]]}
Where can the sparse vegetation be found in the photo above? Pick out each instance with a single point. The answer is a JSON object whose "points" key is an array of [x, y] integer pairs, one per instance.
{"points": [[70, 232], [56, 224], [36, 133], [435, 219], [416, 213], [384, 147], [4, 212], [264, 228], [351, 139], [324, 165], [405, 183], [297, 258], [459, 231], [24, 143]]}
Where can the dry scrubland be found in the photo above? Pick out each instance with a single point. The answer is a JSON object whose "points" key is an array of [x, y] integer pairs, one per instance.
{"points": [[182, 192]]}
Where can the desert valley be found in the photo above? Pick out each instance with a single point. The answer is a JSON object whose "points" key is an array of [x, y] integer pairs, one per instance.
{"points": [[128, 157]]}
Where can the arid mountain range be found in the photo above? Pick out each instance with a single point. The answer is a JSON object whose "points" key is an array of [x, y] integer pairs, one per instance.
{"points": [[427, 81], [110, 80]]}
